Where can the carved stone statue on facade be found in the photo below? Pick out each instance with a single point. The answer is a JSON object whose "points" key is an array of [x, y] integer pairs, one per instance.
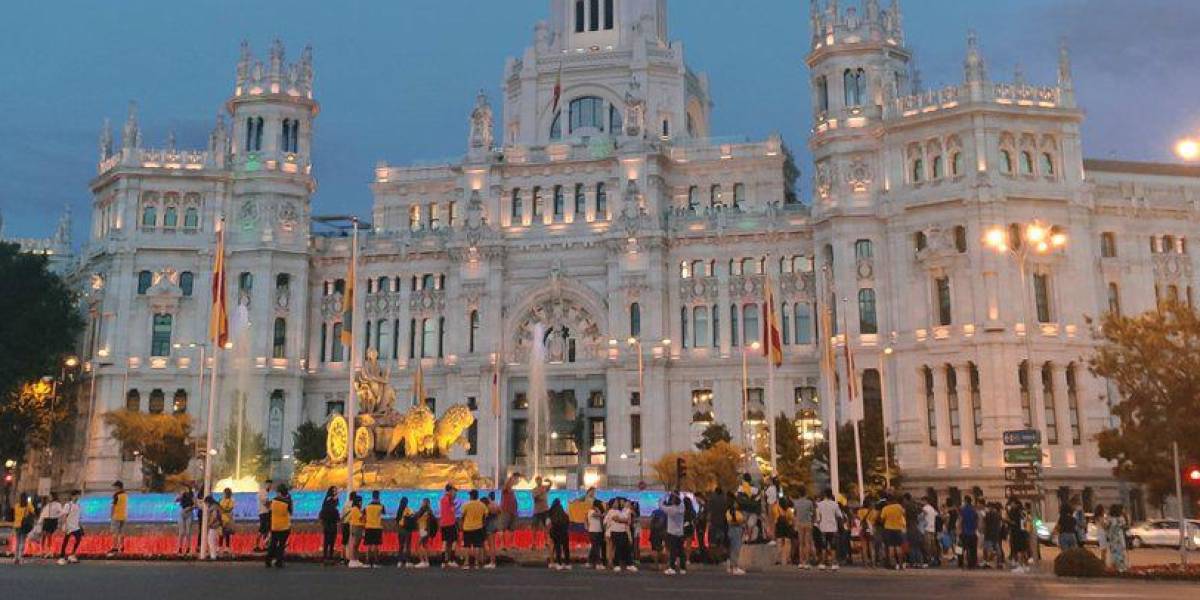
{"points": [[481, 124], [635, 109]]}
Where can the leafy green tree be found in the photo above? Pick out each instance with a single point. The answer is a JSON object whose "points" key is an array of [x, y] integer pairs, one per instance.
{"points": [[31, 419], [713, 433], [39, 323], [1154, 361], [871, 441], [795, 466], [162, 440], [308, 442], [256, 459]]}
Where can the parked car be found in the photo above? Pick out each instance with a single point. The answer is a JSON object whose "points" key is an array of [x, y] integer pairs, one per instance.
{"points": [[1045, 532], [1164, 532]]}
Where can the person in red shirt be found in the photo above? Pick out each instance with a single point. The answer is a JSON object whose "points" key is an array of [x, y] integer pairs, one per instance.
{"points": [[448, 523], [508, 512]]}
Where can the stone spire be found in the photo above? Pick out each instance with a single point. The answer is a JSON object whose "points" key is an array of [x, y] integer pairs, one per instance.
{"points": [[106, 140], [1066, 84], [218, 143], [1019, 75], [131, 135], [243, 65], [974, 69], [306, 69], [276, 65], [62, 235], [816, 22]]}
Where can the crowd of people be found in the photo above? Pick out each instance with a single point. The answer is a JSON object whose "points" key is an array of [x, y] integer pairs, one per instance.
{"points": [[821, 531]]}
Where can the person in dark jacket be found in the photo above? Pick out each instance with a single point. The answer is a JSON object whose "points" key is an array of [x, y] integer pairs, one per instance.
{"points": [[329, 516], [560, 532]]}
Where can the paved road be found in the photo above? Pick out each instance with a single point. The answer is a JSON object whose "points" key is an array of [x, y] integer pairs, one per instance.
{"points": [[116, 580]]}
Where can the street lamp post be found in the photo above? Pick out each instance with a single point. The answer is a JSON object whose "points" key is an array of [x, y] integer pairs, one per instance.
{"points": [[887, 463]]}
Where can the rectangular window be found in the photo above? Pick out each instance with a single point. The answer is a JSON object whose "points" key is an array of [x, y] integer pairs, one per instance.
{"points": [[733, 325], [598, 442], [429, 338], [952, 407], [756, 409], [635, 433], [1048, 397], [517, 209], [700, 327], [942, 288], [1108, 245], [452, 213], [1073, 406], [520, 401], [803, 323], [595, 398], [976, 406], [716, 326], [750, 323], [473, 438], [324, 340], [520, 437], [608, 14], [635, 398], [1041, 296], [702, 408], [601, 202], [594, 14], [559, 203], [338, 350], [580, 203], [160, 339], [537, 204], [1026, 403], [930, 408]]}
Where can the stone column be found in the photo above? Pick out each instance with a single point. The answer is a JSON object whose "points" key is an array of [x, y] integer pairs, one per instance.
{"points": [[966, 416], [1062, 413], [940, 403], [1038, 399]]}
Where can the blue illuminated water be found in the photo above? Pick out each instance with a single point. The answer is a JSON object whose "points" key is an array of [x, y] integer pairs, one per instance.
{"points": [[161, 508]]}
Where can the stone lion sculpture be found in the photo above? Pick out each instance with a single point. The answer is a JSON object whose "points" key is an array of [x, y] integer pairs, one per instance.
{"points": [[449, 429], [415, 431]]}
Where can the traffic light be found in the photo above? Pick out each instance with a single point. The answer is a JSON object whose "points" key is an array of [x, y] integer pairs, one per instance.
{"points": [[1191, 476]]}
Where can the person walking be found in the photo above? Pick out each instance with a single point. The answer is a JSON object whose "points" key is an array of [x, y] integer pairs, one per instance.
{"points": [[805, 513], [560, 533], [72, 529], [216, 528], [1116, 537], [595, 529], [474, 514], [187, 511], [735, 518], [968, 534], [673, 511], [406, 525], [894, 527], [329, 518], [281, 526], [48, 521], [117, 515], [373, 528], [264, 515], [355, 521], [829, 515], [225, 523]]}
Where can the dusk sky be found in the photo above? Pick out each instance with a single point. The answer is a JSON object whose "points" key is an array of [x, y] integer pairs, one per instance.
{"points": [[396, 79]]}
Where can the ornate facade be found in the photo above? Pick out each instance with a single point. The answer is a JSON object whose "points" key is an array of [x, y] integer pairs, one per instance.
{"points": [[597, 205]]}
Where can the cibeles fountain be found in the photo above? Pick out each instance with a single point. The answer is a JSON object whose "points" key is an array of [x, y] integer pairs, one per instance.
{"points": [[407, 450]]}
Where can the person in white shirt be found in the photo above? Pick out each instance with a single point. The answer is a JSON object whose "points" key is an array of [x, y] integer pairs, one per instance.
{"points": [[828, 516], [264, 516], [617, 521], [929, 527], [48, 523], [771, 499], [71, 528], [595, 528]]}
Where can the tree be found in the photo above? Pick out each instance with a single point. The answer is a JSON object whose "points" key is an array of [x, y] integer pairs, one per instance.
{"points": [[28, 420], [1154, 361], [871, 441], [39, 324], [795, 467], [718, 464], [713, 433], [308, 443], [256, 459], [162, 440]]}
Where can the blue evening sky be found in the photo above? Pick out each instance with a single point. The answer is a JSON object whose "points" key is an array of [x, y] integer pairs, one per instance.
{"points": [[396, 79]]}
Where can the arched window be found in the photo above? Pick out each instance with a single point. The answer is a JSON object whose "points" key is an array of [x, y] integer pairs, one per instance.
{"points": [[1047, 164], [693, 198], [428, 337], [683, 327], [850, 87], [802, 323], [739, 194], [785, 325], [517, 209], [716, 326], [937, 167], [580, 202], [956, 164], [860, 83], [245, 282], [145, 279], [1026, 404], [279, 339], [822, 88], [930, 406], [920, 241], [615, 122], [1108, 245], [1051, 414], [1073, 405], [133, 401], [867, 322], [750, 323], [536, 204], [601, 202], [383, 338], [1026, 163], [160, 336], [635, 320], [1168, 243], [559, 203], [918, 170], [191, 218], [158, 402], [414, 217], [187, 282], [976, 404], [473, 327], [955, 417], [587, 112], [714, 196], [698, 269], [594, 21], [179, 403], [700, 327], [324, 341], [1041, 296], [685, 270], [382, 284], [171, 217], [149, 216], [580, 17], [1006, 163]]}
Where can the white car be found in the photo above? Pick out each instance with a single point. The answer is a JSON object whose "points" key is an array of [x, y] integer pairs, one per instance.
{"points": [[1163, 532]]}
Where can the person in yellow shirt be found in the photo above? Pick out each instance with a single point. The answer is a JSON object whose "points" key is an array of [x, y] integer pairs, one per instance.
{"points": [[354, 520], [24, 516], [473, 514], [894, 525], [373, 528], [117, 516], [225, 508], [281, 526]]}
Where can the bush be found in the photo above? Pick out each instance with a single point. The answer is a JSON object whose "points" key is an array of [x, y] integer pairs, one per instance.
{"points": [[1078, 562]]}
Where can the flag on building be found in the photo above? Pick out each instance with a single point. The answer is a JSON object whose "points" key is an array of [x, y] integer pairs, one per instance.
{"points": [[773, 341], [218, 320]]}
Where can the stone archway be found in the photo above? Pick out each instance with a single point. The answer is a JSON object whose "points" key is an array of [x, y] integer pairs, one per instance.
{"points": [[573, 317]]}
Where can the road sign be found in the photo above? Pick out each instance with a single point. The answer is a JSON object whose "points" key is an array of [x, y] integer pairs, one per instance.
{"points": [[1022, 437], [1028, 455], [1024, 473], [1023, 492]]}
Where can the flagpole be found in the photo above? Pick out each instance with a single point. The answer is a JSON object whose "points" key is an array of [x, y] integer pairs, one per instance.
{"points": [[496, 410], [851, 378], [215, 327], [831, 422], [770, 329], [351, 399]]}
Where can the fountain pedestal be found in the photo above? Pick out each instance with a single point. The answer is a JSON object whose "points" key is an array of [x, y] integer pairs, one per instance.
{"points": [[424, 474]]}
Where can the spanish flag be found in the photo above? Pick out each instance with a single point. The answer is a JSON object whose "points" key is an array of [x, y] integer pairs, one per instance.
{"points": [[218, 319], [773, 344], [348, 294]]}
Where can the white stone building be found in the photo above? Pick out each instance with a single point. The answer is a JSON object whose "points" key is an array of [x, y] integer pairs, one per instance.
{"points": [[599, 205]]}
